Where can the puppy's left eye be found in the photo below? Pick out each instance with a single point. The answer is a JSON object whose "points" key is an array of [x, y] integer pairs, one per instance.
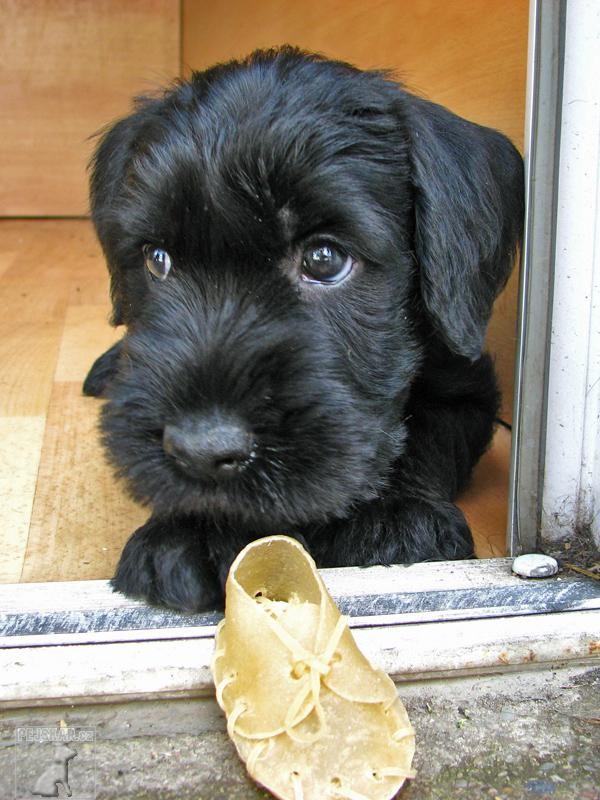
{"points": [[325, 263], [157, 261]]}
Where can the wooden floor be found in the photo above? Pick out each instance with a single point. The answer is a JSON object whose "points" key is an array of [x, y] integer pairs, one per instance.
{"points": [[62, 514]]}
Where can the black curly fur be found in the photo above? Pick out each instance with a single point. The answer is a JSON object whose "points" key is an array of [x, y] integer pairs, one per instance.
{"points": [[369, 401]]}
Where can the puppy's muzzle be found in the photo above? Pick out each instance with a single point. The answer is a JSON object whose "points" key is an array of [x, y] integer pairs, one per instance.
{"points": [[211, 447]]}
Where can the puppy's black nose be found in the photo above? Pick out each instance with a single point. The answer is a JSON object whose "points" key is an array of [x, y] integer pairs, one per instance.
{"points": [[214, 447]]}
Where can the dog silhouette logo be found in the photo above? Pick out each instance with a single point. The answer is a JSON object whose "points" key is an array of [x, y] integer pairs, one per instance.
{"points": [[57, 773]]}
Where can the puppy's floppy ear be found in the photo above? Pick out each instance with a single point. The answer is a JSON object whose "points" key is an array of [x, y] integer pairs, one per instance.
{"points": [[109, 169], [468, 183]]}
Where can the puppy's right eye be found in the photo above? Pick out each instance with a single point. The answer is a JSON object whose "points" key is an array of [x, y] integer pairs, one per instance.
{"points": [[325, 263], [157, 261]]}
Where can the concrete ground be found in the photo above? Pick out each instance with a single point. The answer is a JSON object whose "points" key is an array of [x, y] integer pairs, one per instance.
{"points": [[534, 735]]}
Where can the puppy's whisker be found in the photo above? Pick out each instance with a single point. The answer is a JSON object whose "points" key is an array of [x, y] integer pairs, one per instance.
{"points": [[390, 436], [273, 459]]}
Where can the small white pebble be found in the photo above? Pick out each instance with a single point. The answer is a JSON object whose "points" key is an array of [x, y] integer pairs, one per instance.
{"points": [[535, 565]]}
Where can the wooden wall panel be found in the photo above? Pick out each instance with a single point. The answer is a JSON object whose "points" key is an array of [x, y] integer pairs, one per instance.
{"points": [[67, 67], [469, 55]]}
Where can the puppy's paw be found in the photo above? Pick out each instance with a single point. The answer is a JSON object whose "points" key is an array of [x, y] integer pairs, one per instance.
{"points": [[435, 531], [404, 530], [102, 372], [166, 565]]}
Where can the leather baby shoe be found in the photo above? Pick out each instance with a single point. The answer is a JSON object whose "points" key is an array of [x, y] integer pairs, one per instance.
{"points": [[309, 715]]}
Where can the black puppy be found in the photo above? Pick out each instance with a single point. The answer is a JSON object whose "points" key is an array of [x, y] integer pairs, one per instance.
{"points": [[305, 257]]}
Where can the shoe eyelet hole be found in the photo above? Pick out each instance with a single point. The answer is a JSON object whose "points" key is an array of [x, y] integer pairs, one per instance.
{"points": [[336, 657], [336, 782], [298, 670], [376, 776]]}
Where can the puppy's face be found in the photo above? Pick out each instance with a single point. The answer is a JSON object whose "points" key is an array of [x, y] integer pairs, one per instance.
{"points": [[262, 228]]}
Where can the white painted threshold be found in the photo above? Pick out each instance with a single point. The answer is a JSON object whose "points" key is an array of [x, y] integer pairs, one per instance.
{"points": [[80, 642]]}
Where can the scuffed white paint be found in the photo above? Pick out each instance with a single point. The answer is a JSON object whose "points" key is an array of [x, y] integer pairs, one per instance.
{"points": [[571, 485]]}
